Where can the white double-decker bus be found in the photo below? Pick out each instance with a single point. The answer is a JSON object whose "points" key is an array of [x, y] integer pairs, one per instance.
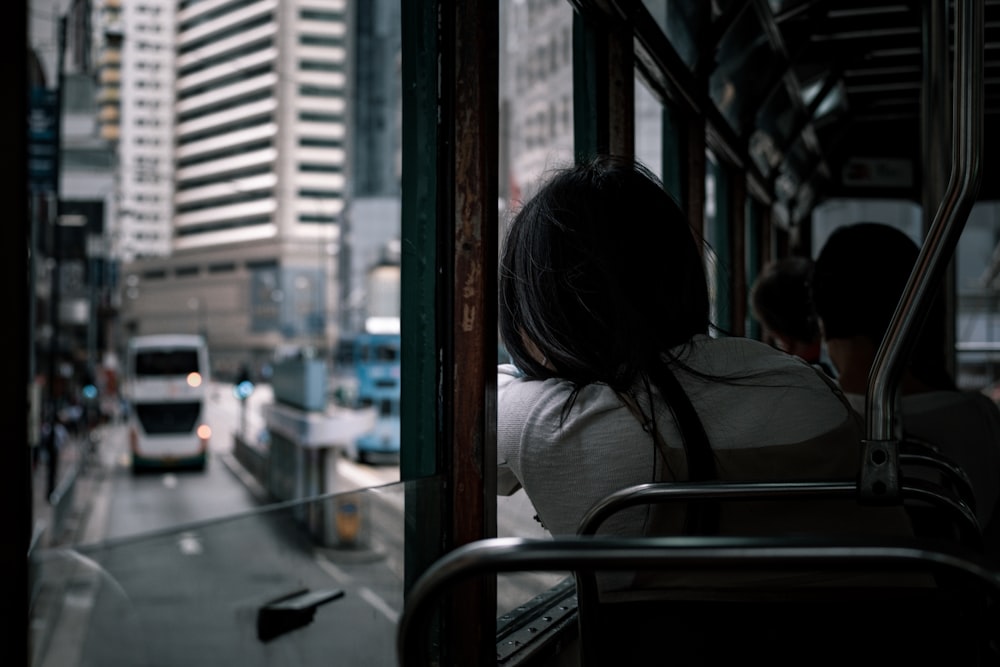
{"points": [[167, 387]]}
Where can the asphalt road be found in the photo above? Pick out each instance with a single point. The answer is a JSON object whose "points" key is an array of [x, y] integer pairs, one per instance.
{"points": [[173, 568]]}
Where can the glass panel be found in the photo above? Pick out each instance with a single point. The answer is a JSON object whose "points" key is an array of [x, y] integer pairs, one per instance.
{"points": [[793, 169], [537, 95], [804, 200], [648, 128], [747, 67], [712, 225], [717, 230], [834, 100], [752, 244], [192, 593], [776, 120], [536, 129], [170, 567], [683, 23], [977, 326], [516, 517], [779, 6], [835, 213], [810, 92], [174, 362], [195, 594], [977, 335]]}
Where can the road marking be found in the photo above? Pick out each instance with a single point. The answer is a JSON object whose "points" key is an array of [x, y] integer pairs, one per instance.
{"points": [[365, 593], [379, 604], [335, 572]]}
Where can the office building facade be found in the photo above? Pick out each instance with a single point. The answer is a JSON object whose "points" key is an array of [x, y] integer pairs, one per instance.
{"points": [[259, 106]]}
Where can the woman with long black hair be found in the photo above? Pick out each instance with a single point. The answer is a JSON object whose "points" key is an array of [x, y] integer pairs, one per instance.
{"points": [[616, 380]]}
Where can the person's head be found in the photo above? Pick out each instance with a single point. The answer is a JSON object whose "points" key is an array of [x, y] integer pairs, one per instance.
{"points": [[600, 276], [781, 300], [858, 279]]}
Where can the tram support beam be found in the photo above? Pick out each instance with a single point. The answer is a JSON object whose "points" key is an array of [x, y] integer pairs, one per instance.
{"points": [[451, 137], [935, 158], [604, 90]]}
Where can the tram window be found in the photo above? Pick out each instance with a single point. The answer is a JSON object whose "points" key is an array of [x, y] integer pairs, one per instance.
{"points": [[833, 213], [716, 243], [757, 254], [682, 22], [648, 128], [834, 100], [539, 124], [977, 326], [743, 55], [775, 125]]}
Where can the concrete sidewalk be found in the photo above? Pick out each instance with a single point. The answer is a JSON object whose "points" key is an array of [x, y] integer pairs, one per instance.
{"points": [[58, 518], [75, 513]]}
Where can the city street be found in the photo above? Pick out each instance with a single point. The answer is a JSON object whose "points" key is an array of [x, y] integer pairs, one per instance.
{"points": [[175, 566]]}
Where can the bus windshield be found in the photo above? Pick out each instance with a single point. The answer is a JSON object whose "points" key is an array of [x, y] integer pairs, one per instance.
{"points": [[166, 362]]}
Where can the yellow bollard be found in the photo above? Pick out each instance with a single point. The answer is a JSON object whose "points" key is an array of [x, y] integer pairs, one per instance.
{"points": [[347, 516]]}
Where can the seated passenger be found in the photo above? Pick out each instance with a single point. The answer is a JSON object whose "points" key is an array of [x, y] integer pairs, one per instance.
{"points": [[859, 277], [604, 309], [781, 300]]}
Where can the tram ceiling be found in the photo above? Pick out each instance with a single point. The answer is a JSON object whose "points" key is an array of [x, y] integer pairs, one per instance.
{"points": [[821, 97]]}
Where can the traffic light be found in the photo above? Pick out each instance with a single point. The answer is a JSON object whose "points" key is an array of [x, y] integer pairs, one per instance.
{"points": [[243, 387]]}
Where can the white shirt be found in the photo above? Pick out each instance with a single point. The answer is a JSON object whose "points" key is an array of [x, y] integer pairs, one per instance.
{"points": [[771, 417]]}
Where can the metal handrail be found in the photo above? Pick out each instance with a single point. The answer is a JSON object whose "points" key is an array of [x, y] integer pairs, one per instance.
{"points": [[952, 473], [589, 554], [880, 468], [660, 492]]}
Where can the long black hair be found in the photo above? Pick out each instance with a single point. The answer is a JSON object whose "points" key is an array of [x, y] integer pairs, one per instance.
{"points": [[601, 273]]}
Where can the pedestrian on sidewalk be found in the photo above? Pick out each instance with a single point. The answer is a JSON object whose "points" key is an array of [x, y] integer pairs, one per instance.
{"points": [[54, 435]]}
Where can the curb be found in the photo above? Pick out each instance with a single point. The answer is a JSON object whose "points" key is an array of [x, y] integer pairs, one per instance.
{"points": [[244, 476]]}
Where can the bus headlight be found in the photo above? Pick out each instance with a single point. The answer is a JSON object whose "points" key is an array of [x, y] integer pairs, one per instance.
{"points": [[204, 432]]}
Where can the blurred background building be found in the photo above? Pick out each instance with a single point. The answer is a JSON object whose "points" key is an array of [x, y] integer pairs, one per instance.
{"points": [[233, 168], [283, 197]]}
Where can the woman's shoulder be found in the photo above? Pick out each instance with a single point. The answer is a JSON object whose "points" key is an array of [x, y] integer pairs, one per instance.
{"points": [[751, 385], [739, 345], [733, 356], [518, 394]]}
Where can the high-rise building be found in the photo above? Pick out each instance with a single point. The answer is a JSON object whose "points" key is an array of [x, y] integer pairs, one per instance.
{"points": [[260, 120], [139, 43], [258, 132], [71, 199]]}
